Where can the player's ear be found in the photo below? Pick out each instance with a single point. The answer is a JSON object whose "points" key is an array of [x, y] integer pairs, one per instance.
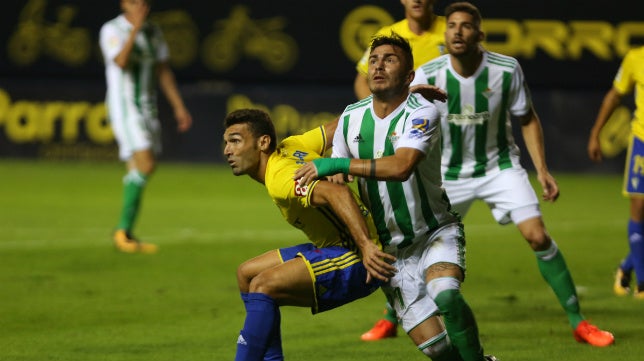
{"points": [[264, 142], [411, 76], [481, 36]]}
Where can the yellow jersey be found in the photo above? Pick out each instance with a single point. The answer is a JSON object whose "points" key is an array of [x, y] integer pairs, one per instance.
{"points": [[630, 76], [424, 47], [320, 224]]}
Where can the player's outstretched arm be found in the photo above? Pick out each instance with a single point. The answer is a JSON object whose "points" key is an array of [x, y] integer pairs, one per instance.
{"points": [[397, 167]]}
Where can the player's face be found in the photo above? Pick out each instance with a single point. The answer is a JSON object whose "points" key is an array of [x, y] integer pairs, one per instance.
{"points": [[129, 6], [387, 70], [462, 36], [418, 9], [241, 149]]}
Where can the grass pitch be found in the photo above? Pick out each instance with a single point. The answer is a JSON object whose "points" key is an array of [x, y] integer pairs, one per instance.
{"points": [[65, 294]]}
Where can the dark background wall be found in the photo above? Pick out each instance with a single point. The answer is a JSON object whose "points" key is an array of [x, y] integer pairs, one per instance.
{"points": [[295, 59]]}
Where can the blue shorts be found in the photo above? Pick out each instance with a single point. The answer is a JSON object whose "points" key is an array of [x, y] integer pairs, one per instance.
{"points": [[634, 171], [338, 274]]}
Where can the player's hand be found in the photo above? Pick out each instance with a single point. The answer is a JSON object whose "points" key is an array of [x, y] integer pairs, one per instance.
{"points": [[340, 178], [549, 186], [377, 263], [594, 149], [429, 92], [139, 13], [184, 119], [306, 174]]}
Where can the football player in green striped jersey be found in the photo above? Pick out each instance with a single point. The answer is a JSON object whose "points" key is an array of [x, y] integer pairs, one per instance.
{"points": [[136, 57], [480, 160], [390, 141]]}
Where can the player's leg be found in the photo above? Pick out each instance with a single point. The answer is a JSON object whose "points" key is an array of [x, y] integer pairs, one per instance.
{"points": [[636, 242], [246, 272], [445, 265], [286, 284], [385, 327], [443, 285], [139, 139], [634, 187], [622, 283], [552, 266], [461, 194], [555, 272], [140, 167], [431, 339], [254, 266]]}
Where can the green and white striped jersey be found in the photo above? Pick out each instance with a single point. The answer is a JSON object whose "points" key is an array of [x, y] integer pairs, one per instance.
{"points": [[403, 211], [131, 92], [476, 119]]}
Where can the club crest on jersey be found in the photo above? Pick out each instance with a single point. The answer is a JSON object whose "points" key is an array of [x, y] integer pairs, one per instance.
{"points": [[393, 137], [487, 93]]}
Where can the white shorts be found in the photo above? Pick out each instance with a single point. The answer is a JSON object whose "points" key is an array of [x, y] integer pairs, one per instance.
{"points": [[407, 290], [136, 134], [508, 193]]}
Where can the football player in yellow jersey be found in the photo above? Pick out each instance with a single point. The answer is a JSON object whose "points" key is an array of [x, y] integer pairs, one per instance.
{"points": [[342, 260], [424, 31], [629, 77]]}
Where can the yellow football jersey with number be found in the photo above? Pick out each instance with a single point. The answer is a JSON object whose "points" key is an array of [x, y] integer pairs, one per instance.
{"points": [[424, 47], [631, 77], [320, 224]]}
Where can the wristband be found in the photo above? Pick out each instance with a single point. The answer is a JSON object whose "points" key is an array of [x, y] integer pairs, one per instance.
{"points": [[331, 166]]}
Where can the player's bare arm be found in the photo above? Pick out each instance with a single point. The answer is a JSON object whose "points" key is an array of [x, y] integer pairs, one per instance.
{"points": [[533, 138], [429, 92], [169, 87], [397, 167], [341, 201], [611, 101]]}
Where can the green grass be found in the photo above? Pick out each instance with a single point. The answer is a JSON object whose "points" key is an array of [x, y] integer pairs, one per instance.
{"points": [[66, 295]]}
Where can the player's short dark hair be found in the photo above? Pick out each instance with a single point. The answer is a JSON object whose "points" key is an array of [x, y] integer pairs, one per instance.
{"points": [[465, 7], [259, 123], [397, 41]]}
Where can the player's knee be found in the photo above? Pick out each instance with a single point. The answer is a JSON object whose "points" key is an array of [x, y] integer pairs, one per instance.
{"points": [[443, 289], [244, 276], [264, 283], [539, 240], [436, 346]]}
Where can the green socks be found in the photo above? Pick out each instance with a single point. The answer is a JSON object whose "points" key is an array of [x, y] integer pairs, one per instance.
{"points": [[133, 185], [554, 270], [390, 314], [460, 324]]}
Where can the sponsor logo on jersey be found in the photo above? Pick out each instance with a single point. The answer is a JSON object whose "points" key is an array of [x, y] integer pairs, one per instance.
{"points": [[468, 116], [300, 156], [358, 139]]}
